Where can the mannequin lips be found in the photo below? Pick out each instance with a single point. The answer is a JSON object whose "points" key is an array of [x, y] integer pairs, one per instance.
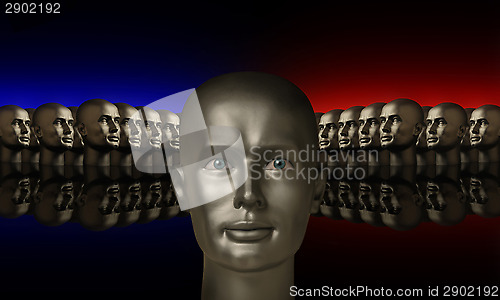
{"points": [[174, 143], [432, 140], [386, 138], [475, 138], [364, 140], [324, 142], [67, 140], [113, 138], [248, 231], [344, 141], [24, 139]]}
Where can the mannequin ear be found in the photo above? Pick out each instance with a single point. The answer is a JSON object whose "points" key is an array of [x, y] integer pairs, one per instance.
{"points": [[82, 129], [417, 130], [319, 191], [37, 131], [80, 201], [417, 199], [37, 198], [461, 131]]}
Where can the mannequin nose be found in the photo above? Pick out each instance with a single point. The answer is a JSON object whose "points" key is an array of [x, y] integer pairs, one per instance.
{"points": [[154, 131], [24, 128], [433, 128], [323, 133], [475, 128], [386, 128], [364, 128], [344, 130], [66, 128], [112, 127], [248, 196]]}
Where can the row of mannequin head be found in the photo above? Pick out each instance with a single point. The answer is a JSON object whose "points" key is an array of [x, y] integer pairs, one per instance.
{"points": [[446, 134], [97, 132]]}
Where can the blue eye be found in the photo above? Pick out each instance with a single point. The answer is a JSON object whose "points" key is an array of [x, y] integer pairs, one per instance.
{"points": [[279, 164], [216, 164]]}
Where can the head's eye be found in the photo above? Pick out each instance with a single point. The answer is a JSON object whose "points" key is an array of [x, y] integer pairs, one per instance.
{"points": [[278, 164], [361, 122], [382, 120], [28, 123], [217, 164]]}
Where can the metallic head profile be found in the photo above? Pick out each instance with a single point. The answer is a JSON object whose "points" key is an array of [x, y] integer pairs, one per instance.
{"points": [[328, 127], [369, 126], [348, 128], [74, 156], [130, 135], [485, 132], [14, 132], [98, 123], [468, 154], [401, 124], [31, 154], [53, 126], [237, 174], [446, 126]]}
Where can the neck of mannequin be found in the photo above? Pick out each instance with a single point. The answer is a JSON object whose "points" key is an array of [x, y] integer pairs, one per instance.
{"points": [[404, 157], [224, 284], [49, 157], [450, 157]]}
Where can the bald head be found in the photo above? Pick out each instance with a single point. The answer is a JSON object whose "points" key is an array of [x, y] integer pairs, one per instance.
{"points": [[446, 125], [401, 124], [369, 126], [98, 123], [485, 127], [328, 130], [259, 103], [14, 127], [170, 129], [53, 126], [348, 127], [129, 128]]}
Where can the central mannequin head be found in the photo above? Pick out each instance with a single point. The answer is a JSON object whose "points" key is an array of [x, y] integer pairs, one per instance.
{"points": [[328, 130], [446, 126], [130, 130], [53, 126], [369, 126], [485, 127], [170, 127], [262, 223], [401, 124], [348, 128], [99, 124], [14, 127]]}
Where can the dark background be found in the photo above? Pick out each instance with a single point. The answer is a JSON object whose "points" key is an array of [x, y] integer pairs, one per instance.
{"points": [[341, 55]]}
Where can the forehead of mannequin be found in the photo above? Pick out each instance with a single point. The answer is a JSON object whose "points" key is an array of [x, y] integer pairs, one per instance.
{"points": [[271, 114]]}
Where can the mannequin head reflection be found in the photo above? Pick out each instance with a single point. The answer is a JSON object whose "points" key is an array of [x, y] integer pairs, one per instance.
{"points": [[98, 123], [328, 130], [401, 205], [53, 126], [349, 201], [15, 190], [54, 201], [485, 195], [445, 202], [369, 206], [150, 199], [14, 132], [401, 124], [169, 204], [485, 132], [446, 126], [249, 237], [130, 135], [329, 207], [130, 201], [98, 204]]}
